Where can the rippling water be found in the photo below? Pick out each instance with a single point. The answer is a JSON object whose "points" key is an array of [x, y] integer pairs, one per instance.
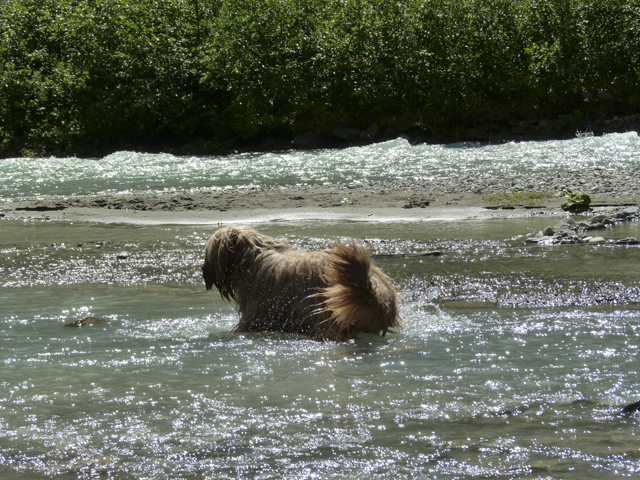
{"points": [[479, 383], [512, 363], [397, 159]]}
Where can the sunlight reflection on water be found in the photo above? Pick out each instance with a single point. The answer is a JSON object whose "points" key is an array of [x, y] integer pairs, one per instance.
{"points": [[392, 160], [470, 387]]}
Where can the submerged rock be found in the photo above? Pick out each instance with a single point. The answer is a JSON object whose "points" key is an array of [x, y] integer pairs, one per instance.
{"points": [[567, 231], [632, 407], [85, 321]]}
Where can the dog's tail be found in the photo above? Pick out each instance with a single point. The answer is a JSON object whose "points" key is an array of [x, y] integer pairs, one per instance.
{"points": [[359, 297]]}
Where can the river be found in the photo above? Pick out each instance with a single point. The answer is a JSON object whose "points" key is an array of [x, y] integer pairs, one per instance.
{"points": [[512, 363]]}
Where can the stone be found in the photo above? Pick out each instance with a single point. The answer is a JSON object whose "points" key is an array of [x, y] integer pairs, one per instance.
{"points": [[597, 240], [547, 240], [598, 219], [85, 321], [631, 407], [542, 240], [628, 241]]}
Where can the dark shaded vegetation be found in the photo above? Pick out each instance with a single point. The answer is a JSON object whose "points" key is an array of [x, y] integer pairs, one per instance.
{"points": [[88, 77]]}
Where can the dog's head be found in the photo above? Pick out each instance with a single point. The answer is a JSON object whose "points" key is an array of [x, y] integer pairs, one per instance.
{"points": [[222, 255], [230, 253]]}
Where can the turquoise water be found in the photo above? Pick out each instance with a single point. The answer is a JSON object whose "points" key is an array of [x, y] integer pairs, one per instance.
{"points": [[393, 160], [512, 363]]}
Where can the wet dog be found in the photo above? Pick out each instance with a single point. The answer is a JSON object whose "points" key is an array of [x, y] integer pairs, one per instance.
{"points": [[328, 295]]}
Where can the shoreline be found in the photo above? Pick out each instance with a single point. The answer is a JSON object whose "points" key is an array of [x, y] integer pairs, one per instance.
{"points": [[401, 201]]}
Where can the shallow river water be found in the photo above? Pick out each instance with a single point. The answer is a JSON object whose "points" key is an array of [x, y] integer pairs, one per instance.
{"points": [[512, 362]]}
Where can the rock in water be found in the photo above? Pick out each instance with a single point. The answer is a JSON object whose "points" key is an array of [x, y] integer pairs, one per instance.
{"points": [[627, 241], [85, 321], [632, 407]]}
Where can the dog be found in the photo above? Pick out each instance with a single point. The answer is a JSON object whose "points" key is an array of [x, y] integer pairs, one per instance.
{"points": [[327, 295]]}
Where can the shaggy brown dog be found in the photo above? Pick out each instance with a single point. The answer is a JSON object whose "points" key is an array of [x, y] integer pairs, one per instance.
{"points": [[328, 295]]}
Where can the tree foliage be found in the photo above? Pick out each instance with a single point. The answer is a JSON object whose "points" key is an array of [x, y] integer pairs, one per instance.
{"points": [[85, 75]]}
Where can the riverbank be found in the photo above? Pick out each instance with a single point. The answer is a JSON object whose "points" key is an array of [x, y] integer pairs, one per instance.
{"points": [[406, 200]]}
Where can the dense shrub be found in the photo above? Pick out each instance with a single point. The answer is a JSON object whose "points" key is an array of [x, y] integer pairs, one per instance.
{"points": [[91, 75]]}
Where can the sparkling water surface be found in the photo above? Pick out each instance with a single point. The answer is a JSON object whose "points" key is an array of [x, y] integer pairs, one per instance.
{"points": [[478, 383], [392, 160], [512, 363]]}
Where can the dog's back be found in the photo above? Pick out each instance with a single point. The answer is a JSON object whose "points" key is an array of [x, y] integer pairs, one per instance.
{"points": [[278, 294]]}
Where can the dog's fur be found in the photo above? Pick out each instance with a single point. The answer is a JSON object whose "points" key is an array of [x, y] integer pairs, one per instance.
{"points": [[327, 295]]}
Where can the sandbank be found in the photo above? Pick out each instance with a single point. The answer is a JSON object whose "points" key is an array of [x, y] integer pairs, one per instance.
{"points": [[241, 205]]}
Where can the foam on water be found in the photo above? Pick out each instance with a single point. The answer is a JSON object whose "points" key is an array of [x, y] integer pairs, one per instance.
{"points": [[392, 160]]}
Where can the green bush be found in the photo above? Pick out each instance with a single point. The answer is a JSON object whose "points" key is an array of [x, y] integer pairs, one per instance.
{"points": [[101, 74]]}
